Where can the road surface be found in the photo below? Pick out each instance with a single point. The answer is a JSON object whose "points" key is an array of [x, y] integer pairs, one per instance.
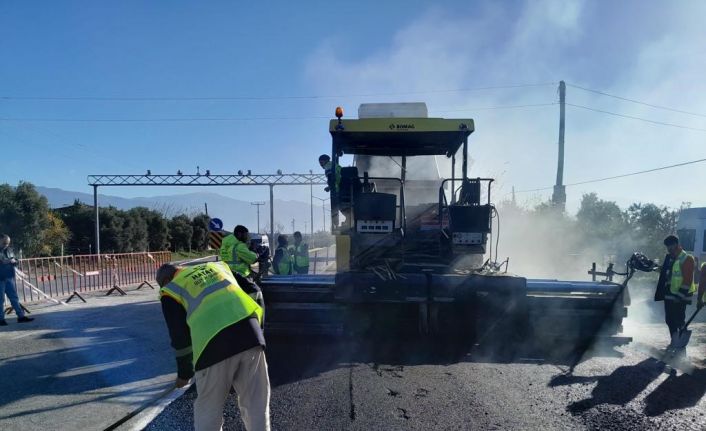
{"points": [[407, 386]]}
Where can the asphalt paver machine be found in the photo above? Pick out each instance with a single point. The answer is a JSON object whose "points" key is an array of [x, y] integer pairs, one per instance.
{"points": [[412, 245]]}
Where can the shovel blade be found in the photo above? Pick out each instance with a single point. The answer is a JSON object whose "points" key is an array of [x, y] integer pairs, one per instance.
{"points": [[682, 339]]}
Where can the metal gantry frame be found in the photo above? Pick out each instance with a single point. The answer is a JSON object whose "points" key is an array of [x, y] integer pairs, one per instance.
{"points": [[200, 180]]}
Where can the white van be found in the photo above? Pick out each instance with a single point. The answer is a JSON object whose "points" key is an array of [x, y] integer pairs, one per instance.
{"points": [[691, 229]]}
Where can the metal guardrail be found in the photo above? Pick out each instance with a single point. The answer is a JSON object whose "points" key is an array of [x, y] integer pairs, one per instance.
{"points": [[67, 277]]}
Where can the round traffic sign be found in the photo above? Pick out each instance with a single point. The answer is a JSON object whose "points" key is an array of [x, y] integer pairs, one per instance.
{"points": [[215, 224]]}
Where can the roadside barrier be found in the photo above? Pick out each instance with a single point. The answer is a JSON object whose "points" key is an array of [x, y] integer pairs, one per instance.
{"points": [[61, 279]]}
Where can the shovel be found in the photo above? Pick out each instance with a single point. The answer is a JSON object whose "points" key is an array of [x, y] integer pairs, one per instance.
{"points": [[684, 335]]}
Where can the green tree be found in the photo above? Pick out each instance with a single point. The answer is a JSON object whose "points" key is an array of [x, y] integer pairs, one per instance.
{"points": [[650, 224], [112, 230], [157, 229], [158, 232], [54, 236], [599, 219], [180, 232], [79, 220], [25, 216], [136, 230], [199, 238]]}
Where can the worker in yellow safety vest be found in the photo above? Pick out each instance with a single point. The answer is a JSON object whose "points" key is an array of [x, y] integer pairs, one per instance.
{"points": [[677, 288], [236, 253], [300, 253], [215, 330], [282, 260]]}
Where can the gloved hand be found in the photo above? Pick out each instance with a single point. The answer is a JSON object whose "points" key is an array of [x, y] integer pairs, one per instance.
{"points": [[327, 189]]}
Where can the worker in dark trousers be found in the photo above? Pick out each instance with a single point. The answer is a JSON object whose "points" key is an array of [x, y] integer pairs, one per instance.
{"points": [[676, 288], [333, 181], [282, 260], [8, 262], [300, 254], [215, 330]]}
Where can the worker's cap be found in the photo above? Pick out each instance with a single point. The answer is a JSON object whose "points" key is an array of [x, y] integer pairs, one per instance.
{"points": [[165, 274], [671, 240], [324, 158]]}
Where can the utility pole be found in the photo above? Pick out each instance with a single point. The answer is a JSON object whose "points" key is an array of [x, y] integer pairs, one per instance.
{"points": [[559, 195], [258, 205], [311, 205], [323, 210], [514, 201], [205, 206], [97, 238], [293, 228]]}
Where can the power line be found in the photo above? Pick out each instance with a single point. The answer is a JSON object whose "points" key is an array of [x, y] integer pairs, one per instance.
{"points": [[666, 108], [617, 176], [659, 123], [156, 120], [265, 98], [497, 107], [187, 119]]}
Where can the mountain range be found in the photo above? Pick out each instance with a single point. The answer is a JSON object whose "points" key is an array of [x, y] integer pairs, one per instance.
{"points": [[230, 211]]}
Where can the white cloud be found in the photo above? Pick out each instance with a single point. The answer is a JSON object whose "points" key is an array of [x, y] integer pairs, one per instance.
{"points": [[548, 41]]}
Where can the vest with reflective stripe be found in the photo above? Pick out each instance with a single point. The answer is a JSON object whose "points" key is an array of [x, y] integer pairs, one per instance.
{"points": [[284, 266], [212, 299], [229, 255], [675, 286], [301, 255]]}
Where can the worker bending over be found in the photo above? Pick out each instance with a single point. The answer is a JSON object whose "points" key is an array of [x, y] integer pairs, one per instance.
{"points": [[236, 253], [215, 330]]}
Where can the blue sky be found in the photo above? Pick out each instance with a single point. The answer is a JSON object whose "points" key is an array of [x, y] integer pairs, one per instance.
{"points": [[643, 50]]}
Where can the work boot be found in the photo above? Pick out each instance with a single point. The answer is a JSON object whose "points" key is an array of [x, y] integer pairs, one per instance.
{"points": [[3, 322], [674, 337], [24, 319]]}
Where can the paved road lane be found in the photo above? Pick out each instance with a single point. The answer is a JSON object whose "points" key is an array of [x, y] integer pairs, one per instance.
{"points": [[413, 387], [83, 366]]}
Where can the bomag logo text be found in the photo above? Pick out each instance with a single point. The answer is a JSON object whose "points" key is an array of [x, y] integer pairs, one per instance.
{"points": [[394, 126]]}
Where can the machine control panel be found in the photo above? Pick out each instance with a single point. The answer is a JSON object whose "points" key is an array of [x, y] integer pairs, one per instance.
{"points": [[374, 226], [468, 238]]}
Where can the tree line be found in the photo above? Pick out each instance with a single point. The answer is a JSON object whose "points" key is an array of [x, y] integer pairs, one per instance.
{"points": [[600, 228], [546, 242], [38, 230]]}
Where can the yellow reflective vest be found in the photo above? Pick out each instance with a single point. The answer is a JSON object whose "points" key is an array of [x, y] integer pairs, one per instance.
{"points": [[284, 265], [677, 292], [237, 255], [301, 255], [212, 300]]}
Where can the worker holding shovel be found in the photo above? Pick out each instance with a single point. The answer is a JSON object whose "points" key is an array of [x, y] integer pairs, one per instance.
{"points": [[683, 336], [676, 288]]}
